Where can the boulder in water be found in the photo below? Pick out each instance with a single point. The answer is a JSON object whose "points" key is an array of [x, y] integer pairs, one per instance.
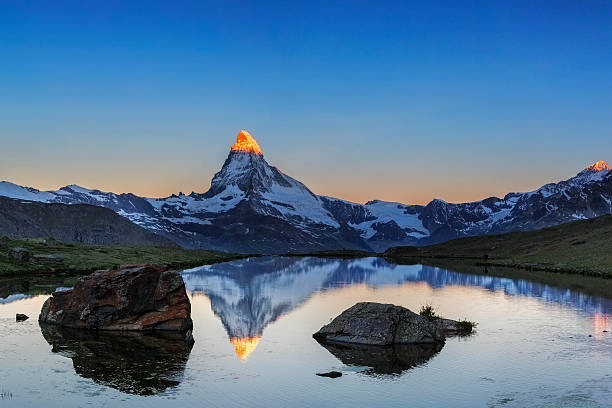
{"points": [[136, 297], [380, 324]]}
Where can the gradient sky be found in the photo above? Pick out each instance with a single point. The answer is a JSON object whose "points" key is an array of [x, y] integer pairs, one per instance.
{"points": [[401, 101]]}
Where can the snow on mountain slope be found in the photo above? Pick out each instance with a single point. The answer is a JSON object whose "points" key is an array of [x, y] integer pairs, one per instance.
{"points": [[255, 208], [366, 217], [11, 190], [247, 175]]}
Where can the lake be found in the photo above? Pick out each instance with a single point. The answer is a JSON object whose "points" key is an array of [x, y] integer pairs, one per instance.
{"points": [[536, 345]]}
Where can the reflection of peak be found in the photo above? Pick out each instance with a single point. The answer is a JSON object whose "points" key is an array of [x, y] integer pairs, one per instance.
{"points": [[248, 295], [245, 346]]}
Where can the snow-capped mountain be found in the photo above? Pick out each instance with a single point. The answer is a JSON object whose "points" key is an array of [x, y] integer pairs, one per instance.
{"points": [[253, 207], [384, 224]]}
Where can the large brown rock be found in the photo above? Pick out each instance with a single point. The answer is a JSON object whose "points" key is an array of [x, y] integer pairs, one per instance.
{"points": [[137, 297], [380, 324]]}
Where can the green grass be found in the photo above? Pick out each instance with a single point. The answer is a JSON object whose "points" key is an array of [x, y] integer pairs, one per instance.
{"points": [[83, 259], [428, 312], [582, 247], [466, 326]]}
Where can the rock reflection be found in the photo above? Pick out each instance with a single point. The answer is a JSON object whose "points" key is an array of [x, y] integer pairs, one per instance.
{"points": [[248, 295], [133, 363], [385, 360]]}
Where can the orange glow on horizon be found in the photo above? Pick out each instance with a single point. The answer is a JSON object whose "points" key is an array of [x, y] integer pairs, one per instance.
{"points": [[246, 143], [245, 346]]}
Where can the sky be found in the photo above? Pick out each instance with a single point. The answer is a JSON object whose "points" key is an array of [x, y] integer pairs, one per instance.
{"points": [[399, 101]]}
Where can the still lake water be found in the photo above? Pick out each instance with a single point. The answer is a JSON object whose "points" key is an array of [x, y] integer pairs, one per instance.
{"points": [[253, 321]]}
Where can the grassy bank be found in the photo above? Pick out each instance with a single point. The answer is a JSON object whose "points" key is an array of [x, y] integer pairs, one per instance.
{"points": [[83, 259], [582, 247]]}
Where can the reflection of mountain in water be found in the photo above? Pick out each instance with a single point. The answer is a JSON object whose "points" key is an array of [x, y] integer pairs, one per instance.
{"points": [[248, 295], [393, 359], [17, 288], [133, 363]]}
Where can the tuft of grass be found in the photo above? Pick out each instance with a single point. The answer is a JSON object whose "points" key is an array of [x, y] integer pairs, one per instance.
{"points": [[466, 326], [428, 312]]}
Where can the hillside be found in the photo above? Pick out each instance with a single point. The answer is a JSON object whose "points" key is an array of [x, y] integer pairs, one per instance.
{"points": [[79, 259], [79, 223], [583, 247]]}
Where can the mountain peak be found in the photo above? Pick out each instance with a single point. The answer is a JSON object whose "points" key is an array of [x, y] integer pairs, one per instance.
{"points": [[246, 143], [599, 166]]}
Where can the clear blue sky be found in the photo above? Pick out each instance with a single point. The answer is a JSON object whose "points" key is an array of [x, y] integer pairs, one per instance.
{"points": [[402, 101]]}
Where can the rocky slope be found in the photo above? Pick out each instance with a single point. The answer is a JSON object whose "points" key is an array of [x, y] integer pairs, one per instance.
{"points": [[80, 223], [252, 207]]}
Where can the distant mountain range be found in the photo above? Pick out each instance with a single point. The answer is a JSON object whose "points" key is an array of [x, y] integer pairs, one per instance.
{"points": [[252, 207]]}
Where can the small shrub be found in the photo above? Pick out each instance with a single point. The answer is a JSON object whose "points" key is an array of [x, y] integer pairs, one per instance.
{"points": [[466, 326], [428, 312]]}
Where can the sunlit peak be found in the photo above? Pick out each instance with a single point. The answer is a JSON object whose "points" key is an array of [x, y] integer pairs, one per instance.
{"points": [[245, 346], [599, 166], [246, 143]]}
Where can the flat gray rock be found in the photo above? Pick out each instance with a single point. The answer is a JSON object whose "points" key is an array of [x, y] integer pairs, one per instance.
{"points": [[380, 324]]}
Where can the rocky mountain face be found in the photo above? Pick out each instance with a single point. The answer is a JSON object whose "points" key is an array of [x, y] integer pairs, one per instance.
{"points": [[252, 207], [81, 223]]}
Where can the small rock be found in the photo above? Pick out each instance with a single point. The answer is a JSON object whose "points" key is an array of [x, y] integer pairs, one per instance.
{"points": [[19, 317], [605, 331], [20, 254], [590, 335], [331, 374], [453, 327]]}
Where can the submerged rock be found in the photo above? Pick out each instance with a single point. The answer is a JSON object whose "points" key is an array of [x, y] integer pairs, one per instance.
{"points": [[331, 374], [137, 297], [453, 327], [380, 324]]}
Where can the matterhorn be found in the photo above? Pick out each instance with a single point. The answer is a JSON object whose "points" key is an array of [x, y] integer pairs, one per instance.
{"points": [[253, 207]]}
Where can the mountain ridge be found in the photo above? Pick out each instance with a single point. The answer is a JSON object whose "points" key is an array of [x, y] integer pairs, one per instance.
{"points": [[78, 223], [252, 207]]}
